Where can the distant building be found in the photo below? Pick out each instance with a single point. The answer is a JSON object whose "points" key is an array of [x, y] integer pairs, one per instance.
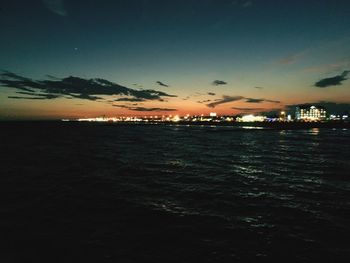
{"points": [[282, 116], [338, 117], [251, 118], [310, 113], [213, 114]]}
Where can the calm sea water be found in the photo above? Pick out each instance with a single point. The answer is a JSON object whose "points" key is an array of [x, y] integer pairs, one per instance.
{"points": [[99, 193]]}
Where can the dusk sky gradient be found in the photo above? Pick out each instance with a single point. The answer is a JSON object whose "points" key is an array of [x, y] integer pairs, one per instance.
{"points": [[173, 57]]}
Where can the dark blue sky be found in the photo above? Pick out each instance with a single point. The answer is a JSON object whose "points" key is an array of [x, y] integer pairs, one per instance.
{"points": [[284, 47]]}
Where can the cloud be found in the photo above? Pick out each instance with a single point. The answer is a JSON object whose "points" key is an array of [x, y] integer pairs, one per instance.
{"points": [[291, 59], [330, 67], [56, 6], [52, 77], [74, 87], [162, 84], [48, 97], [247, 4], [203, 101], [130, 99], [273, 101], [243, 3], [196, 94], [247, 109], [225, 99], [260, 88], [144, 109], [211, 94], [85, 97], [219, 82], [333, 81], [36, 96], [9, 79], [252, 100]]}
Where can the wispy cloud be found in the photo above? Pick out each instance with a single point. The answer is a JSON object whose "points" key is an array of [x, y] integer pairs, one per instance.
{"points": [[247, 4], [204, 101], [253, 100], [162, 84], [291, 59], [273, 101], [330, 67], [219, 82], [39, 97], [332, 81], [56, 6], [225, 99], [74, 87], [246, 109], [130, 99], [243, 3], [143, 109], [260, 88]]}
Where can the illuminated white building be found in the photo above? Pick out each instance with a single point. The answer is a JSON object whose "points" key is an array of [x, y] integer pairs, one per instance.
{"points": [[310, 113], [251, 118]]}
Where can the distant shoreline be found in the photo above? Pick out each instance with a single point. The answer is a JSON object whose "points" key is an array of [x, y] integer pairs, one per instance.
{"points": [[264, 125]]}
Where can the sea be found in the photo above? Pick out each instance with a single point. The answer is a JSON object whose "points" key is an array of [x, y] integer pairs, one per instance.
{"points": [[90, 192]]}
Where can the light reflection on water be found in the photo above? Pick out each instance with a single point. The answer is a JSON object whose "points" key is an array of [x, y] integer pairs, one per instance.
{"points": [[252, 128], [315, 131], [266, 185]]}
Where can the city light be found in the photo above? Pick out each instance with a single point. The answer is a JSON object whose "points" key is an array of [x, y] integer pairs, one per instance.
{"points": [[251, 118], [303, 113], [310, 113]]}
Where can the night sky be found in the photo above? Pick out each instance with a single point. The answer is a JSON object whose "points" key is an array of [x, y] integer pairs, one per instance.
{"points": [[87, 58]]}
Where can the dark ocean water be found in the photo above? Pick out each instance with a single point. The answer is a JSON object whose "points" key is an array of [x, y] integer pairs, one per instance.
{"points": [[99, 193]]}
